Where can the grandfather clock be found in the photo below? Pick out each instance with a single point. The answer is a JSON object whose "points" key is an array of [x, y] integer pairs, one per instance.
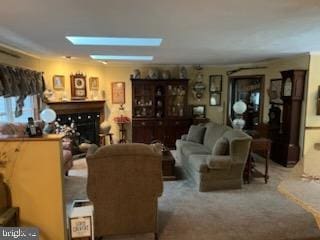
{"points": [[285, 146]]}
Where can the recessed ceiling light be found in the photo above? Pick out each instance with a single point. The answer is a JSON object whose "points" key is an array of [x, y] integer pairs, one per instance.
{"points": [[122, 57], [114, 41]]}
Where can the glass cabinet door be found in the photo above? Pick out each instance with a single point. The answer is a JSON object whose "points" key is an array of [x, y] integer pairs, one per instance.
{"points": [[143, 102], [176, 99]]}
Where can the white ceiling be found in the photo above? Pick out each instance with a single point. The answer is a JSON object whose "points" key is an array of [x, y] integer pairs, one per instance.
{"points": [[193, 32]]}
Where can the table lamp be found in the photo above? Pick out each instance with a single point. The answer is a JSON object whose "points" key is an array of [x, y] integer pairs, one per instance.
{"points": [[239, 108], [48, 115]]}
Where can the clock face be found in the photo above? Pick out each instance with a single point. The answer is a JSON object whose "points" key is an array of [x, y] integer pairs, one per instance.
{"points": [[79, 83], [287, 88]]}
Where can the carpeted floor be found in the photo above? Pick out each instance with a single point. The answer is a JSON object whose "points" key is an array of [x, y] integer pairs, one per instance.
{"points": [[255, 212]]}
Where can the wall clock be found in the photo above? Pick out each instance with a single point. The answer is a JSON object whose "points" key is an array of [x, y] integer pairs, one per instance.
{"points": [[78, 87], [287, 88]]}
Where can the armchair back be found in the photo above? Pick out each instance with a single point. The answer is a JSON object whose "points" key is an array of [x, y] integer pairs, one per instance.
{"points": [[124, 183]]}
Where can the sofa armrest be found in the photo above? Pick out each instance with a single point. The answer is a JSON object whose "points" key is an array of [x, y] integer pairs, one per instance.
{"points": [[184, 137], [219, 162]]}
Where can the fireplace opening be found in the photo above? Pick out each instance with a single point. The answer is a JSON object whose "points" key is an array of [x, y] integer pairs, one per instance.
{"points": [[86, 125]]}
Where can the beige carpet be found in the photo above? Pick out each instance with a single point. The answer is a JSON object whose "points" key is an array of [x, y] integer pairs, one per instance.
{"points": [[255, 212]]}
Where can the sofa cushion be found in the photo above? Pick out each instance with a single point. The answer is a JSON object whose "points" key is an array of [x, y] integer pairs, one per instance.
{"points": [[196, 133], [221, 147], [189, 148], [213, 133], [199, 163]]}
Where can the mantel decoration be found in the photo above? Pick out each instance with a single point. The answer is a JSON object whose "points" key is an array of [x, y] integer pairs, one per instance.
{"points": [[58, 82], [19, 82], [118, 92], [94, 83], [78, 86]]}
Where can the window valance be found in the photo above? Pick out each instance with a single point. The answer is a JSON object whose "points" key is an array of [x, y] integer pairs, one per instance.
{"points": [[19, 82]]}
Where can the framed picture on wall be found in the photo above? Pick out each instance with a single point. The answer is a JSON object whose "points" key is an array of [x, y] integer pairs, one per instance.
{"points": [[215, 99], [78, 87], [118, 92], [199, 111], [58, 82], [215, 83], [275, 91], [94, 83]]}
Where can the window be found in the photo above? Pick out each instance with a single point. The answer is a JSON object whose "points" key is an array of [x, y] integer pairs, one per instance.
{"points": [[8, 106]]}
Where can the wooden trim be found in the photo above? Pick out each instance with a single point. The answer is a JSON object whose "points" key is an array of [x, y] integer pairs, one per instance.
{"points": [[49, 137], [79, 107], [312, 128]]}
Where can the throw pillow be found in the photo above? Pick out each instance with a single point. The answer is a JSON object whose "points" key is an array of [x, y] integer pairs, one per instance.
{"points": [[196, 133], [221, 147]]}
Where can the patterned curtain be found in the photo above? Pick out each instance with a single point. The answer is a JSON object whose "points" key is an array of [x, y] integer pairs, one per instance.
{"points": [[20, 83]]}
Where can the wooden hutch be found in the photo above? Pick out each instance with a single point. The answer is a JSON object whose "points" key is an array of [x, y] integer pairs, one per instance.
{"points": [[159, 110]]}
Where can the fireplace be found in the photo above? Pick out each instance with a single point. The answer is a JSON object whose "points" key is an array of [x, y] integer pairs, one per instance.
{"points": [[87, 125], [86, 115]]}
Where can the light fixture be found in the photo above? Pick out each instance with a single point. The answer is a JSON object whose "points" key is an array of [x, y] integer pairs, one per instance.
{"points": [[104, 62], [199, 87], [48, 115], [68, 57], [122, 57], [114, 41], [239, 108]]}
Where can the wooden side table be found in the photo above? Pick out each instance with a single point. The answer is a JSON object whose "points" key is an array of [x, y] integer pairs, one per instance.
{"points": [[260, 146], [168, 164], [103, 140]]}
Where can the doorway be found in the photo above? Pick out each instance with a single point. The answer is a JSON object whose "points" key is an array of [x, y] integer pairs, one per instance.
{"points": [[249, 89]]}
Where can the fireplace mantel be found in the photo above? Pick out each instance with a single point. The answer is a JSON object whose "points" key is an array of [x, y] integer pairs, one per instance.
{"points": [[78, 107]]}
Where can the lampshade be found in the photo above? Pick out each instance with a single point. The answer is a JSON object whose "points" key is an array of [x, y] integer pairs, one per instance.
{"points": [[239, 107], [48, 115]]}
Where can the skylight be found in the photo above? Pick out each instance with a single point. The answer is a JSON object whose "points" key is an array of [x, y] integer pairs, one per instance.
{"points": [[122, 57], [114, 41]]}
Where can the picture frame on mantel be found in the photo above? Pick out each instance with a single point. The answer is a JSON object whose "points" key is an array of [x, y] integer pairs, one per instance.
{"points": [[78, 86], [118, 92], [94, 83], [58, 82]]}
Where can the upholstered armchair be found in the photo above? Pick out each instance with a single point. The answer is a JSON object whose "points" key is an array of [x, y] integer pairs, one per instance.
{"points": [[124, 183]]}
